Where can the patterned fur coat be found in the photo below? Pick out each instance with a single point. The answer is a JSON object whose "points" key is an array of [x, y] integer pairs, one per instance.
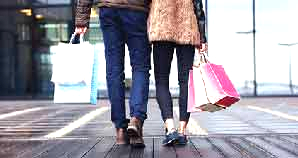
{"points": [[173, 20]]}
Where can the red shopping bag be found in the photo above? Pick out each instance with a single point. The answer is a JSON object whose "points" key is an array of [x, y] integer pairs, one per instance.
{"points": [[210, 89]]}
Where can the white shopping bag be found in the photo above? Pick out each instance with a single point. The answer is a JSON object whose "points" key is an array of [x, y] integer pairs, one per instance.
{"points": [[74, 72], [72, 63]]}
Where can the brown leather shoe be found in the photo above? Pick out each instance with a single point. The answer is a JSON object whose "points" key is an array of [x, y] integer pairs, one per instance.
{"points": [[133, 129], [121, 136], [137, 142], [135, 132]]}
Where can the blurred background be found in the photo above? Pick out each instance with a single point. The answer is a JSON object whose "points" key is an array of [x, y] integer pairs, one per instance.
{"points": [[256, 41]]}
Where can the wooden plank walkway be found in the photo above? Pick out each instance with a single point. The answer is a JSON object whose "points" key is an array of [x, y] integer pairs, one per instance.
{"points": [[244, 146], [252, 128]]}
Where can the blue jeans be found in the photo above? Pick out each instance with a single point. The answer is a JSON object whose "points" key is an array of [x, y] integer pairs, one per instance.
{"points": [[120, 27], [162, 56]]}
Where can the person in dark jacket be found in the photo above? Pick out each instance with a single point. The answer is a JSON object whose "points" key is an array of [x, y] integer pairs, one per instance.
{"points": [[123, 22], [180, 25]]}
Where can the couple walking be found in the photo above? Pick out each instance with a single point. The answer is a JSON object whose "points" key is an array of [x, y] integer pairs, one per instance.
{"points": [[167, 25]]}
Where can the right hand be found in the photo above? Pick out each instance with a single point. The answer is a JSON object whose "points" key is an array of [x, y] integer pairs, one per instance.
{"points": [[203, 47], [81, 30]]}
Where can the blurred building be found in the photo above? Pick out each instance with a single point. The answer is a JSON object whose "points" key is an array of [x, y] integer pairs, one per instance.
{"points": [[28, 28]]}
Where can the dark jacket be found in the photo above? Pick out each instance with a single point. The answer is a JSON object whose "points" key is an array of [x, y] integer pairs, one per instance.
{"points": [[201, 20], [83, 9]]}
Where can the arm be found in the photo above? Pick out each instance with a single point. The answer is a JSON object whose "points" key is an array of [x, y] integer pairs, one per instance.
{"points": [[201, 20], [83, 13]]}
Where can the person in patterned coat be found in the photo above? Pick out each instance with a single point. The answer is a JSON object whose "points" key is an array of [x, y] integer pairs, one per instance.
{"points": [[175, 25]]}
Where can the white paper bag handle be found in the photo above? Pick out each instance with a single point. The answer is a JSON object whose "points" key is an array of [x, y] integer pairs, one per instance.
{"points": [[202, 59], [73, 37]]}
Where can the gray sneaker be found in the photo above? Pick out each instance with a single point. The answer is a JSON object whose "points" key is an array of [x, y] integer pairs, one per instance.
{"points": [[182, 139], [171, 138]]}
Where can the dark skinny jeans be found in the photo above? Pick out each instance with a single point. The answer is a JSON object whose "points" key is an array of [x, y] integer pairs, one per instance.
{"points": [[162, 56]]}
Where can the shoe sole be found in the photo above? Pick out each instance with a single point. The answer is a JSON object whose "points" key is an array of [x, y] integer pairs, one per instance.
{"points": [[178, 143], [138, 145], [171, 142]]}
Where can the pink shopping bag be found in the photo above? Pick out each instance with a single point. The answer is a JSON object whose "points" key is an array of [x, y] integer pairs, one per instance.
{"points": [[197, 95], [209, 88], [191, 101], [219, 88]]}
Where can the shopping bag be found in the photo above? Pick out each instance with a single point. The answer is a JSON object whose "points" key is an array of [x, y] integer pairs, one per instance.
{"points": [[94, 79], [197, 97], [72, 63], [75, 68], [219, 88], [209, 88]]}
